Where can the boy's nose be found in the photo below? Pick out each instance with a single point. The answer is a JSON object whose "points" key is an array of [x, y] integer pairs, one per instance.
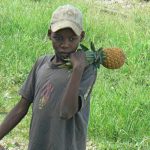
{"points": [[65, 44]]}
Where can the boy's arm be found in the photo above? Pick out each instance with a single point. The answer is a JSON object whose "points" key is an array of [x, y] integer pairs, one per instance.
{"points": [[14, 117], [70, 101]]}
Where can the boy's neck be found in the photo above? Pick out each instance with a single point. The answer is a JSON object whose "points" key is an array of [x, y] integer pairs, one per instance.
{"points": [[57, 61]]}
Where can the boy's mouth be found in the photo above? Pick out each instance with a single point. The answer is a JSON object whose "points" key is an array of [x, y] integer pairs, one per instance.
{"points": [[63, 56], [66, 54]]}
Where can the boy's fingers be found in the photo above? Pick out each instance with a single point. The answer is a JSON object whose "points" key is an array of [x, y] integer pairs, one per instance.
{"points": [[78, 55]]}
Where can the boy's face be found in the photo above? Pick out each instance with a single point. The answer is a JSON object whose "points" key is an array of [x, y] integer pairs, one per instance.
{"points": [[64, 42]]}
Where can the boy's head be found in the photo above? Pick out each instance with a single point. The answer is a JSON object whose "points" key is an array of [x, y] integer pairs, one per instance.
{"points": [[66, 30], [67, 16]]}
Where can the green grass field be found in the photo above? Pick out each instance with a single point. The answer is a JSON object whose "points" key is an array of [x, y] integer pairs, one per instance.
{"points": [[120, 101]]}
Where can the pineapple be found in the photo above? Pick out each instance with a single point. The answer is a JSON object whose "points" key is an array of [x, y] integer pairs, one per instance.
{"points": [[111, 58], [114, 59]]}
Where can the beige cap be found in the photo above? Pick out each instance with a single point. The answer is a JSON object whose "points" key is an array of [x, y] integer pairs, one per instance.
{"points": [[67, 16]]}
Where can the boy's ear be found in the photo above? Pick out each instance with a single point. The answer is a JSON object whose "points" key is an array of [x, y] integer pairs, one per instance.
{"points": [[49, 33], [82, 35]]}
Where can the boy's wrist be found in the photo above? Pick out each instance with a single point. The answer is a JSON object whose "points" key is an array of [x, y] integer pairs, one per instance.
{"points": [[78, 69]]}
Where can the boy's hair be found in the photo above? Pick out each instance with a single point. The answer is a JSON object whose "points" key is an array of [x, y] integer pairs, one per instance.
{"points": [[67, 16]]}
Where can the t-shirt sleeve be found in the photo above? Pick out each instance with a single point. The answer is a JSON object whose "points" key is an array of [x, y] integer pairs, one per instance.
{"points": [[86, 85], [28, 88]]}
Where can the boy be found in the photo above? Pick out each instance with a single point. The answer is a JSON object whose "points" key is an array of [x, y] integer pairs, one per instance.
{"points": [[60, 97]]}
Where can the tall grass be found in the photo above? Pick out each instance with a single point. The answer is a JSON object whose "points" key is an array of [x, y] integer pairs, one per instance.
{"points": [[120, 105]]}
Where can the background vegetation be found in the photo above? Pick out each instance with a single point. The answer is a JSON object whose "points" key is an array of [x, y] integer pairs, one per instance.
{"points": [[120, 106]]}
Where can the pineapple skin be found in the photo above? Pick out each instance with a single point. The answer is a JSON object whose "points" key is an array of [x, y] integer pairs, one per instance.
{"points": [[115, 58]]}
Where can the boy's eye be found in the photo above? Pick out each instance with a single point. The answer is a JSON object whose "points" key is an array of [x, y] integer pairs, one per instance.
{"points": [[72, 39], [58, 38], [61, 38]]}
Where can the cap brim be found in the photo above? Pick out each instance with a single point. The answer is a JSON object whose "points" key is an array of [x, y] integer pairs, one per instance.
{"points": [[66, 24]]}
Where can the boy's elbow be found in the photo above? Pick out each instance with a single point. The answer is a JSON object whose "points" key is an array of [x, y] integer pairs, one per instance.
{"points": [[21, 112], [65, 115]]}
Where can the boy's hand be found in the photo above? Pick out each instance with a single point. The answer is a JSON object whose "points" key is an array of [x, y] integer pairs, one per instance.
{"points": [[78, 60]]}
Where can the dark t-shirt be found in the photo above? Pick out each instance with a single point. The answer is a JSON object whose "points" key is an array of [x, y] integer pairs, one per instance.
{"points": [[44, 87]]}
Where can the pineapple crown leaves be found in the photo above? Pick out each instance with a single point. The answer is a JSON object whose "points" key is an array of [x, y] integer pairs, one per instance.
{"points": [[98, 55], [92, 46], [82, 47]]}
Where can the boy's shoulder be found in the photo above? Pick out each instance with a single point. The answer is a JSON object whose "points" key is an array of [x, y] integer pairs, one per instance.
{"points": [[90, 69], [42, 60]]}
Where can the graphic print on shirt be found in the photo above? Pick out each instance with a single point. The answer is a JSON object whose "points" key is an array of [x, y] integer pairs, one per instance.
{"points": [[45, 94]]}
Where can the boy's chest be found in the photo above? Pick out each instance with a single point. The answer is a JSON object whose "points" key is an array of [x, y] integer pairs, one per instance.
{"points": [[57, 77], [50, 85]]}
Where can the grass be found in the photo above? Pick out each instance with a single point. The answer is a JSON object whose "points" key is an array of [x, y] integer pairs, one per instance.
{"points": [[120, 101]]}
